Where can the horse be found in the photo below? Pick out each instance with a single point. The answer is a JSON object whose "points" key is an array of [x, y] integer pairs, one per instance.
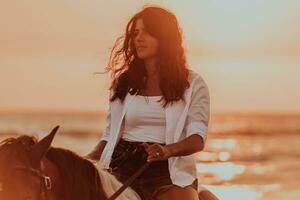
{"points": [[34, 170]]}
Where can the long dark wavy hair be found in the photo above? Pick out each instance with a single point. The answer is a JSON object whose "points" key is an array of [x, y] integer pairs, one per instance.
{"points": [[128, 70]]}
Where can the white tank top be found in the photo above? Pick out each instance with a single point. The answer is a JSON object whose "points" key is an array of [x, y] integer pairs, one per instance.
{"points": [[145, 120]]}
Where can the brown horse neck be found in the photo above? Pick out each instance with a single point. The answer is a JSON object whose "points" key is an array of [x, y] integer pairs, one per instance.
{"points": [[48, 168]]}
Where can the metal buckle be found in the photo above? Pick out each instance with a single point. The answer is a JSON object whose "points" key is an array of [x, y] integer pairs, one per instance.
{"points": [[47, 182], [109, 170], [135, 150]]}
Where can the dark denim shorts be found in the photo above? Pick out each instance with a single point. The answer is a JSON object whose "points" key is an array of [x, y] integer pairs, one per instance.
{"points": [[128, 157]]}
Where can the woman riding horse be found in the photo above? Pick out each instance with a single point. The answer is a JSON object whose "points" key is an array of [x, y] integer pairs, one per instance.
{"points": [[157, 103]]}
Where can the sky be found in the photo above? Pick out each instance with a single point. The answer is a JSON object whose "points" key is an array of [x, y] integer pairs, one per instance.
{"points": [[248, 52]]}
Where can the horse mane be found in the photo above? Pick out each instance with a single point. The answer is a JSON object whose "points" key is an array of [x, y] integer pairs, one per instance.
{"points": [[81, 176]]}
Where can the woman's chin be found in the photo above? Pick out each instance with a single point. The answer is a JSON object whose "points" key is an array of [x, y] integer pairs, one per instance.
{"points": [[144, 57]]}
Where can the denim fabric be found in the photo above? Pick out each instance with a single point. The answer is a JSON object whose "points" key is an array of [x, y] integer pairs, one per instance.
{"points": [[128, 157]]}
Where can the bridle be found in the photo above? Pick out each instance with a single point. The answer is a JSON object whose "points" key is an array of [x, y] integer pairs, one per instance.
{"points": [[46, 183]]}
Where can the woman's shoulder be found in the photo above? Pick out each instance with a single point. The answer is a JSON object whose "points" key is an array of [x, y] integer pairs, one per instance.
{"points": [[199, 85], [195, 76]]}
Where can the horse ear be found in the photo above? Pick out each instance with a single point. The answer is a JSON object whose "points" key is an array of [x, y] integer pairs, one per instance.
{"points": [[41, 148]]}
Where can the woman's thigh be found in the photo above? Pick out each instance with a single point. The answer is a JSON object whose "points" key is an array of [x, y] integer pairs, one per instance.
{"points": [[178, 193]]}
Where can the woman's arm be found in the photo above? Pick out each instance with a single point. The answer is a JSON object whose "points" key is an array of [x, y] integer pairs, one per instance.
{"points": [[187, 146], [96, 153], [192, 144]]}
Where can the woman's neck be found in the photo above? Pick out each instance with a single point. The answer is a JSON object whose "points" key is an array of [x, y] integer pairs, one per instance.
{"points": [[152, 84], [151, 67]]}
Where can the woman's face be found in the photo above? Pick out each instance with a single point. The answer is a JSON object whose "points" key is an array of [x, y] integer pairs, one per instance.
{"points": [[145, 44]]}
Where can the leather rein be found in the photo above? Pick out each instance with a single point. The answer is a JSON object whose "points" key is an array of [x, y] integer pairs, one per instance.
{"points": [[46, 182]]}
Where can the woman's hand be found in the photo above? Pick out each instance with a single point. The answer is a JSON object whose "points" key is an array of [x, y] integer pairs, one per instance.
{"points": [[92, 156], [95, 154], [190, 145], [157, 152]]}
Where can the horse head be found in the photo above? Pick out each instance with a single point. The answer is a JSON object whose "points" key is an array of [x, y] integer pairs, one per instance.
{"points": [[22, 173]]}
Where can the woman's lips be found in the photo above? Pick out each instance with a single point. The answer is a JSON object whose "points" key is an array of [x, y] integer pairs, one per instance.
{"points": [[141, 48]]}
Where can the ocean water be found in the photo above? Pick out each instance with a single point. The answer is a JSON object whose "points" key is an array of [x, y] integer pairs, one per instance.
{"points": [[246, 157]]}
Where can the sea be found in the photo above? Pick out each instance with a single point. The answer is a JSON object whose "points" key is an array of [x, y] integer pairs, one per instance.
{"points": [[247, 156]]}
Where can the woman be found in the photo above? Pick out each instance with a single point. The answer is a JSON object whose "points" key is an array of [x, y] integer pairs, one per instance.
{"points": [[158, 110]]}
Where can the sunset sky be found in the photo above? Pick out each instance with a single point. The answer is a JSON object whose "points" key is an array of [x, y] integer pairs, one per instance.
{"points": [[247, 51]]}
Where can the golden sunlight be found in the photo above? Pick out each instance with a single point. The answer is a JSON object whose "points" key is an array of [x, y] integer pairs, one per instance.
{"points": [[222, 171], [246, 51]]}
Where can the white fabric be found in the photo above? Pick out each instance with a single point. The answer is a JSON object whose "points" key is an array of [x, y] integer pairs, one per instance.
{"points": [[145, 120], [183, 118], [110, 185]]}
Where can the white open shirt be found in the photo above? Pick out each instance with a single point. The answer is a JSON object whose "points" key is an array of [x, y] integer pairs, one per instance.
{"points": [[182, 120]]}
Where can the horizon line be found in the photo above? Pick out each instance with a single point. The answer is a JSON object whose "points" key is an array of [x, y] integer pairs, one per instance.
{"points": [[103, 111]]}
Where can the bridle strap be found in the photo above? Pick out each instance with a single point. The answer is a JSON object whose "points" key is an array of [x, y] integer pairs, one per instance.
{"points": [[46, 180]]}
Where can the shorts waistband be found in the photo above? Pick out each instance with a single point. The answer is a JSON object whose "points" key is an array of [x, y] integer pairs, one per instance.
{"points": [[137, 142]]}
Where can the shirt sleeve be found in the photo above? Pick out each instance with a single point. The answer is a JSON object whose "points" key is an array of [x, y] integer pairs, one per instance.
{"points": [[199, 110], [105, 135]]}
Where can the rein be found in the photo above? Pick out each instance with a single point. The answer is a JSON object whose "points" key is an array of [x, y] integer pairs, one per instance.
{"points": [[46, 182], [129, 181]]}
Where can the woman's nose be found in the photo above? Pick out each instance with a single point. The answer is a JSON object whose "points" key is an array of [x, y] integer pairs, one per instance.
{"points": [[140, 37]]}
